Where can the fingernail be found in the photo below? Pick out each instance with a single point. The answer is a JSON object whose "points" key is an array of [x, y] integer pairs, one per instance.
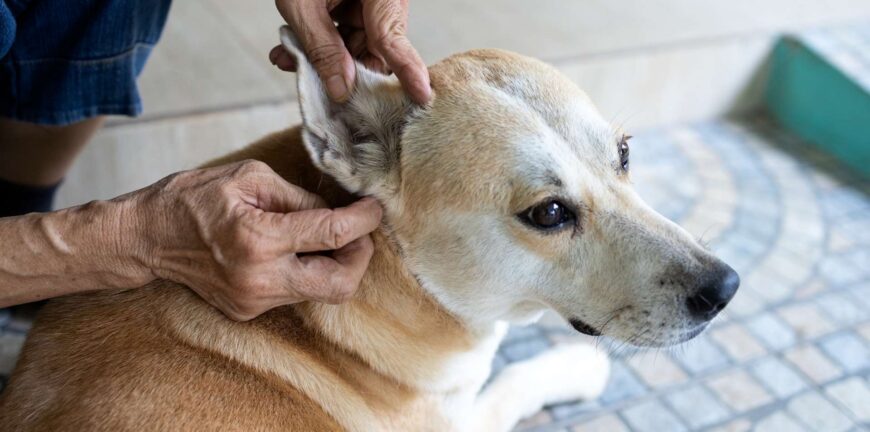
{"points": [[336, 88]]}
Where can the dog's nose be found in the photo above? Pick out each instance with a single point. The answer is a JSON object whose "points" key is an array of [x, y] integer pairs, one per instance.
{"points": [[714, 294]]}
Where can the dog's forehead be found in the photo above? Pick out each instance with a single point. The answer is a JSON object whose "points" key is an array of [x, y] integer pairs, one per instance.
{"points": [[538, 87], [501, 117]]}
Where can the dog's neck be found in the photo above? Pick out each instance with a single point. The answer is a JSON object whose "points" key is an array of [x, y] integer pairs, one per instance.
{"points": [[392, 323]]}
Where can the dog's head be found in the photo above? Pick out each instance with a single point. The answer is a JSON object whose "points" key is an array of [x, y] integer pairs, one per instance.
{"points": [[509, 194]]}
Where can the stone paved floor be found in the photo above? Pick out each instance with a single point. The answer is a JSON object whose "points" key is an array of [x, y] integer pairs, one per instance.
{"points": [[792, 351]]}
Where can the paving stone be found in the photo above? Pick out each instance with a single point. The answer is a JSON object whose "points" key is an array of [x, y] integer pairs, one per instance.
{"points": [[816, 412], [774, 333], [739, 344], [540, 418], [806, 320], [778, 377], [861, 294], [623, 385], [778, 422], [848, 350], [768, 285], [656, 369], [498, 363], [854, 394], [606, 423], [737, 389], [810, 289], [652, 416], [516, 332], [839, 272], [864, 331], [574, 409], [842, 309], [525, 349], [739, 425], [838, 242], [701, 356], [746, 302], [697, 406], [813, 363]]}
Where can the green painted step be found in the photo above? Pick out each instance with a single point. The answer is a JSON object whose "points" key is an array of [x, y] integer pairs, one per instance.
{"points": [[819, 87]]}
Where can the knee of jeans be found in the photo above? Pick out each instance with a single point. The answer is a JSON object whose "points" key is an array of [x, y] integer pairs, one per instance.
{"points": [[7, 29]]}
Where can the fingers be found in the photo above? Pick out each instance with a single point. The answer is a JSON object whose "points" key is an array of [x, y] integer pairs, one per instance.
{"points": [[334, 280], [262, 188], [325, 229], [281, 58], [323, 45], [272, 194], [385, 24]]}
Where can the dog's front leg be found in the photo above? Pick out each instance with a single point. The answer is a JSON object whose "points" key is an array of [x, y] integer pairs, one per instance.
{"points": [[565, 373]]}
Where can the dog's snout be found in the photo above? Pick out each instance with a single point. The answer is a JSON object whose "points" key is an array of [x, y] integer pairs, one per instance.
{"points": [[714, 294]]}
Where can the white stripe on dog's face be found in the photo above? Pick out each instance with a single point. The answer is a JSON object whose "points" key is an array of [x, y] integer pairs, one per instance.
{"points": [[507, 195], [505, 135]]}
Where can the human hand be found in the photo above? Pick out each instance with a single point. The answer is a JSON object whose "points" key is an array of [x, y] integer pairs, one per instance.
{"points": [[372, 31], [234, 234]]}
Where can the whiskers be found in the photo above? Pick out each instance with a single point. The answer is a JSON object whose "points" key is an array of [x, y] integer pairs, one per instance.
{"points": [[626, 348]]}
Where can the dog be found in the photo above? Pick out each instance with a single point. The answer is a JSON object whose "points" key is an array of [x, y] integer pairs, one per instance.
{"points": [[505, 196]]}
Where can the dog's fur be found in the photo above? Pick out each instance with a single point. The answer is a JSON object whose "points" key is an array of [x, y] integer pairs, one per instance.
{"points": [[453, 262]]}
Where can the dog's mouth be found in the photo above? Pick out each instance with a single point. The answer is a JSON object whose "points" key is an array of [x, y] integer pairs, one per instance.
{"points": [[587, 329], [692, 333], [584, 328]]}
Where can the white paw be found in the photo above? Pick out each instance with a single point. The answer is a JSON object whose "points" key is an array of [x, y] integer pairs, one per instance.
{"points": [[574, 371]]}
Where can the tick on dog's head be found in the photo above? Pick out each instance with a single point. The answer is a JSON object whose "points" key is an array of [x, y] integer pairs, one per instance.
{"points": [[509, 194]]}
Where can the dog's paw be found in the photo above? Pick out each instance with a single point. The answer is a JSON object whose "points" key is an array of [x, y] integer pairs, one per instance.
{"points": [[576, 371]]}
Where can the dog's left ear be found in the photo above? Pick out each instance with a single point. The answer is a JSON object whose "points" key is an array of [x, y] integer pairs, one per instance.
{"points": [[356, 142]]}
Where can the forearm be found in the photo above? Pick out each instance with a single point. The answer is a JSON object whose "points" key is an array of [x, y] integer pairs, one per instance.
{"points": [[82, 248]]}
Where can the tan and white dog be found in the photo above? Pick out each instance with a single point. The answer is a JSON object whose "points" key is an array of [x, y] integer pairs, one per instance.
{"points": [[505, 196]]}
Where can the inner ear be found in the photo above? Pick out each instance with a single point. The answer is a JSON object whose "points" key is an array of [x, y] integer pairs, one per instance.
{"points": [[357, 142]]}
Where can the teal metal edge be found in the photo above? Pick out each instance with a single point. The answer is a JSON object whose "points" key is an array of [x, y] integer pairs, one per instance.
{"points": [[810, 96]]}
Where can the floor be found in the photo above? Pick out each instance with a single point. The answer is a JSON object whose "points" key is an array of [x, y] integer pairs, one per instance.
{"points": [[791, 353]]}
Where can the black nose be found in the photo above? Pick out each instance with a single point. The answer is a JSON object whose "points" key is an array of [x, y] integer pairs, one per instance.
{"points": [[714, 294]]}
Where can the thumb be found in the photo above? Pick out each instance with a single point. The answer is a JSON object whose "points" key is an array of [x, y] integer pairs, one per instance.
{"points": [[324, 48], [329, 229]]}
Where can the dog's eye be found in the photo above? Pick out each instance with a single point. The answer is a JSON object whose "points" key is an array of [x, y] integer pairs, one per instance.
{"points": [[548, 215], [623, 152]]}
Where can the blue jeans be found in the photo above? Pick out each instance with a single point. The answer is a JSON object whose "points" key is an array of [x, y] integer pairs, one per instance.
{"points": [[62, 61]]}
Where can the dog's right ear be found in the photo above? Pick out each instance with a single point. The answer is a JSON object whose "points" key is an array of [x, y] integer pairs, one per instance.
{"points": [[357, 142]]}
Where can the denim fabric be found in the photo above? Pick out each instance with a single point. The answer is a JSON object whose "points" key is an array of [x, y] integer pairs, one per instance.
{"points": [[74, 59], [7, 28]]}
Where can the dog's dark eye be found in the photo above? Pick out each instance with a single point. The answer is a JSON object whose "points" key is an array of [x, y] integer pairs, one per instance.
{"points": [[548, 215], [623, 152]]}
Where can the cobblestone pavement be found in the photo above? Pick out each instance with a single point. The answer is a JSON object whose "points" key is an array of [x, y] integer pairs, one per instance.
{"points": [[791, 352]]}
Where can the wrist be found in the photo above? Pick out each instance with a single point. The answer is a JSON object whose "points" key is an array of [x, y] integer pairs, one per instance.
{"points": [[130, 243], [104, 237]]}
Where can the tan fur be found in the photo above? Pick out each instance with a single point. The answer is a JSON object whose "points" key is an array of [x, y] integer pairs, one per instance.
{"points": [[158, 358]]}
